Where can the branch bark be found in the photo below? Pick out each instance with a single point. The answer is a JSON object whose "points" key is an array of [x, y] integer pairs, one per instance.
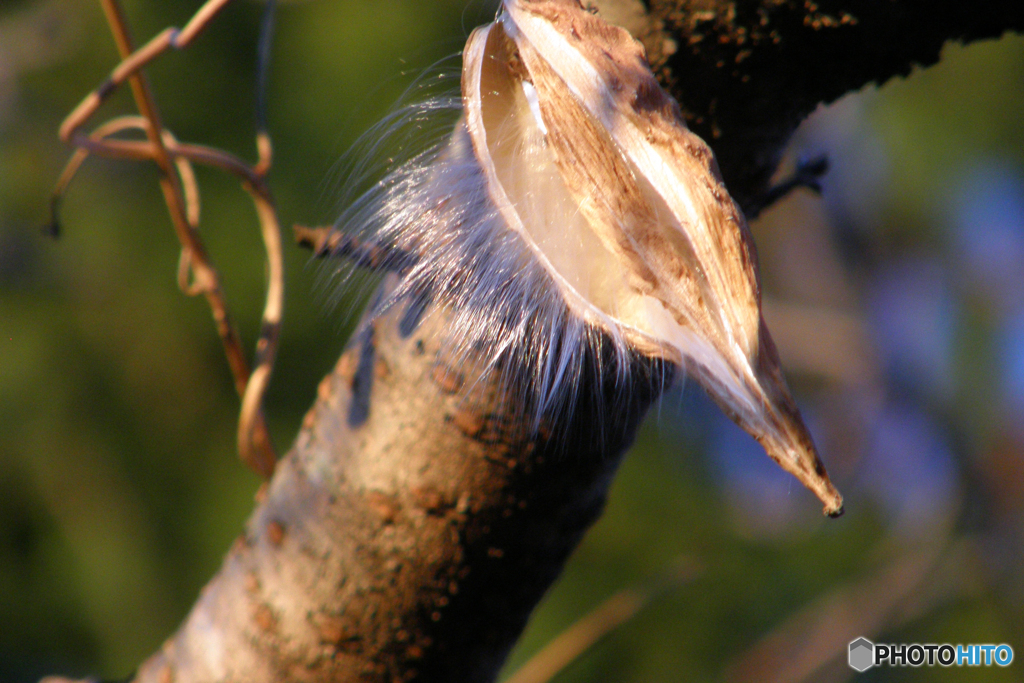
{"points": [[747, 72], [409, 533]]}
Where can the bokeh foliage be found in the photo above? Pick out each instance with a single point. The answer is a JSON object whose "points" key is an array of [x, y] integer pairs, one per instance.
{"points": [[119, 485]]}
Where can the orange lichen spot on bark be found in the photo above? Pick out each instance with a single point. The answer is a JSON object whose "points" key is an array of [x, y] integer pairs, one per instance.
{"points": [[275, 533]]}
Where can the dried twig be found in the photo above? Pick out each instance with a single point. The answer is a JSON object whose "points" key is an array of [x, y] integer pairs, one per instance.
{"points": [[807, 174], [598, 623], [182, 198], [805, 646], [112, 127], [326, 242]]}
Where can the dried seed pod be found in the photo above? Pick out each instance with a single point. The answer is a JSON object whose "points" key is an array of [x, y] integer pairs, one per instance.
{"points": [[572, 197]]}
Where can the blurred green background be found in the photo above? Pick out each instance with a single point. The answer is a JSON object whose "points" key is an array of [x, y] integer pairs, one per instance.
{"points": [[897, 299]]}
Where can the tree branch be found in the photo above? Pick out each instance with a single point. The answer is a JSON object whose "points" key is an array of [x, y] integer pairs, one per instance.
{"points": [[410, 530], [747, 72]]}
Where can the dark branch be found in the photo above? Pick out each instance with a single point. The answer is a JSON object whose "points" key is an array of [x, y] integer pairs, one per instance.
{"points": [[747, 72], [328, 242]]}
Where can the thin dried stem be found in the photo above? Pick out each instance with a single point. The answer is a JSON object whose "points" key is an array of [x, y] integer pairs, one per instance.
{"points": [[139, 150], [264, 148], [186, 174], [598, 623], [134, 60], [807, 645], [255, 447], [251, 440], [325, 241]]}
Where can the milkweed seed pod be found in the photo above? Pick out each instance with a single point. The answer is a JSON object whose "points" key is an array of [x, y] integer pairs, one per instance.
{"points": [[571, 203]]}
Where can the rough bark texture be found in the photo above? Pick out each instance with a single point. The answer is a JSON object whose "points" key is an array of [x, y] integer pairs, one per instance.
{"points": [[409, 531], [747, 72], [408, 534]]}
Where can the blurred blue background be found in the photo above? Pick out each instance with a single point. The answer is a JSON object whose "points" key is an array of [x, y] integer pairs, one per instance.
{"points": [[896, 298]]}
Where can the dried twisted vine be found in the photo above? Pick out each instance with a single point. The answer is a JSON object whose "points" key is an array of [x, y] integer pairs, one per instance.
{"points": [[177, 181]]}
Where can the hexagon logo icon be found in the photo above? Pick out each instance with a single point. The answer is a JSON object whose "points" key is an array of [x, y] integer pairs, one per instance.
{"points": [[862, 655]]}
